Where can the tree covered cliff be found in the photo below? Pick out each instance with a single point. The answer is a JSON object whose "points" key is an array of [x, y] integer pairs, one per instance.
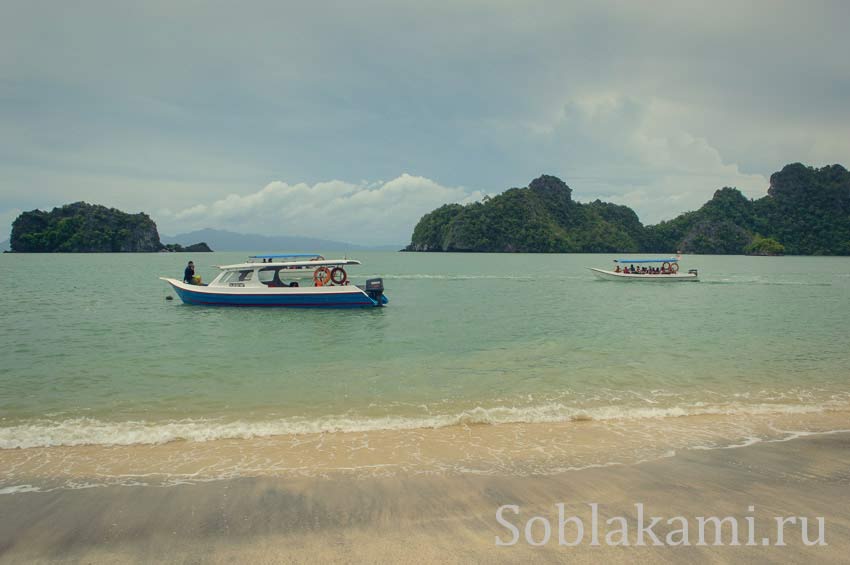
{"points": [[541, 218], [84, 228], [806, 211]]}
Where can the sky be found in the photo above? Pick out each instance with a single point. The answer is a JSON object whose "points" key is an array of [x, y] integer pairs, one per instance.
{"points": [[350, 120]]}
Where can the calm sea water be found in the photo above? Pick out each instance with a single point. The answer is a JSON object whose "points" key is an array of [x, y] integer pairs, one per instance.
{"points": [[93, 353]]}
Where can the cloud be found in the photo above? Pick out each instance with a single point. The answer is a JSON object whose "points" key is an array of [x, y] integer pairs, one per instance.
{"points": [[655, 104], [605, 145], [367, 213], [635, 152]]}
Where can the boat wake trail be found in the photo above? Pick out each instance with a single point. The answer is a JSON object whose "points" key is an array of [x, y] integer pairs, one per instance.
{"points": [[456, 277]]}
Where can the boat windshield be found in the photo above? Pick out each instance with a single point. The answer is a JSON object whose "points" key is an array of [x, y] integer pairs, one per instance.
{"points": [[237, 276]]}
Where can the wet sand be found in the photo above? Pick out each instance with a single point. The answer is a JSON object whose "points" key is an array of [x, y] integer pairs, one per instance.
{"points": [[514, 450], [441, 518]]}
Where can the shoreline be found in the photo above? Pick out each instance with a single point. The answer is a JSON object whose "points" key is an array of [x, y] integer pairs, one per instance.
{"points": [[435, 518], [473, 448]]}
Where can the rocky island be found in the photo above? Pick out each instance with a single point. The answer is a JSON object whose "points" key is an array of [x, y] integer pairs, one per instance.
{"points": [[194, 248], [88, 228], [806, 212]]}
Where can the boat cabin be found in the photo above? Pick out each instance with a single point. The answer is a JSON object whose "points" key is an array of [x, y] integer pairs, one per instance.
{"points": [[666, 266], [268, 271]]}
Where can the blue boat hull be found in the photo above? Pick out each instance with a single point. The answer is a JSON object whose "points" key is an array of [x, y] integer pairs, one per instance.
{"points": [[292, 300]]}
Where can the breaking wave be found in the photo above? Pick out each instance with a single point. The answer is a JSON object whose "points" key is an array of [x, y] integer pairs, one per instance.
{"points": [[90, 431]]}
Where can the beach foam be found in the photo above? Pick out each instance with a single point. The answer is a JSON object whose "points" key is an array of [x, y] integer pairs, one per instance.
{"points": [[90, 431], [239, 449]]}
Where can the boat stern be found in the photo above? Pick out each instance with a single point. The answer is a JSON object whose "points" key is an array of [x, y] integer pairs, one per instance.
{"points": [[374, 289]]}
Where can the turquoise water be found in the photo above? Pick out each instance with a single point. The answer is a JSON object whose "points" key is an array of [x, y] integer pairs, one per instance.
{"points": [[93, 353]]}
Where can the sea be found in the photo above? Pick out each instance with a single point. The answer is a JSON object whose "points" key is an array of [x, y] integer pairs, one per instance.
{"points": [[519, 364]]}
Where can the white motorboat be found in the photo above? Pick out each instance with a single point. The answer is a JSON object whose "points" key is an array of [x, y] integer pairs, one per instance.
{"points": [[646, 270], [266, 281]]}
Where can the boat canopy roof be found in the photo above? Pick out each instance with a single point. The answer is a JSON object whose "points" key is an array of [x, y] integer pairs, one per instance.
{"points": [[285, 256], [274, 264], [668, 260], [270, 257]]}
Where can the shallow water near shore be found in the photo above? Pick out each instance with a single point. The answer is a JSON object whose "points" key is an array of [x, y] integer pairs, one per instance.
{"points": [[478, 363]]}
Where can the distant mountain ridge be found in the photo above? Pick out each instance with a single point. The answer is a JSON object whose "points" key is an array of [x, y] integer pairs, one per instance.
{"points": [[223, 240]]}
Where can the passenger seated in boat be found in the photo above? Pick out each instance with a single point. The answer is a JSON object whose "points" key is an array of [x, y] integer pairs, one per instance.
{"points": [[617, 270]]}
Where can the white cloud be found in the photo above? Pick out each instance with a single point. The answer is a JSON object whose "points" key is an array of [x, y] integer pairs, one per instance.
{"points": [[638, 153], [657, 104], [368, 213]]}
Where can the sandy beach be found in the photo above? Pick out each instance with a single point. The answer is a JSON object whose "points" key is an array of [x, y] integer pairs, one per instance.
{"points": [[319, 282], [407, 519]]}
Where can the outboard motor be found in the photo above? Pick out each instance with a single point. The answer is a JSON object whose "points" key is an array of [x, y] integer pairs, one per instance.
{"points": [[375, 289]]}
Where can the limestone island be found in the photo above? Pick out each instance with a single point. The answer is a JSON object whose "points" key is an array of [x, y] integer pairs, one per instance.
{"points": [[806, 212], [89, 228]]}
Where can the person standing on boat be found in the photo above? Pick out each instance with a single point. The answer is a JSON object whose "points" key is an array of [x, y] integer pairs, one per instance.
{"points": [[189, 273]]}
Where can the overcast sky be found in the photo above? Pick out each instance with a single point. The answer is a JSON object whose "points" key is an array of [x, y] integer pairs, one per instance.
{"points": [[349, 120]]}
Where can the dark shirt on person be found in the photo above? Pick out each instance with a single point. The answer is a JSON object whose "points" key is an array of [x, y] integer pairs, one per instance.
{"points": [[188, 274]]}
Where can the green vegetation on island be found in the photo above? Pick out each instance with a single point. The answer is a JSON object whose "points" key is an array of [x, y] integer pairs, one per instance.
{"points": [[194, 248], [542, 218], [764, 246], [87, 228], [805, 212]]}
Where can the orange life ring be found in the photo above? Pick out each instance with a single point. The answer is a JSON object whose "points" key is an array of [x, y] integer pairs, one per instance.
{"points": [[674, 268], [339, 276], [665, 268], [321, 276]]}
